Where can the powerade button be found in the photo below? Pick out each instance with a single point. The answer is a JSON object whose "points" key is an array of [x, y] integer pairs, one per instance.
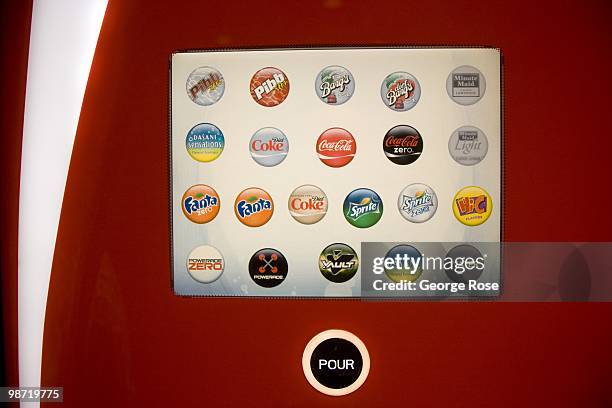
{"points": [[336, 362]]}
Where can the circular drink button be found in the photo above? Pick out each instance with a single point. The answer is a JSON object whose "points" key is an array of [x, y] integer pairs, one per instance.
{"points": [[334, 85], [205, 264], [205, 86], [472, 206], [468, 145], [307, 204], [200, 203], [254, 207], [400, 91], [336, 362], [338, 262], [466, 85], [406, 271], [467, 264], [269, 146], [417, 202], [269, 87], [362, 208], [403, 144], [205, 142], [336, 147], [268, 267]]}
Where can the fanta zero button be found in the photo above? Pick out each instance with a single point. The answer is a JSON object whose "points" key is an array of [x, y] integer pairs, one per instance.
{"points": [[336, 362]]}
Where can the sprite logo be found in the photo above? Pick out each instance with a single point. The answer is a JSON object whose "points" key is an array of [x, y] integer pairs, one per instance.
{"points": [[363, 208]]}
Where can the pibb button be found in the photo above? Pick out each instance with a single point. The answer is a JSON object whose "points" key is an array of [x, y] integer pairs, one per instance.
{"points": [[336, 362]]}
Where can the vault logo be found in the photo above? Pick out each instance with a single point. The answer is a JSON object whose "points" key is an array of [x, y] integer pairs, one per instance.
{"points": [[338, 263]]}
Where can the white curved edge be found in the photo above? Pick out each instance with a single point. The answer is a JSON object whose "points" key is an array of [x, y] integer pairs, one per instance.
{"points": [[335, 334], [63, 39]]}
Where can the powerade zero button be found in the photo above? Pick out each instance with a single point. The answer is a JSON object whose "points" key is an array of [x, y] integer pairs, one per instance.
{"points": [[336, 362]]}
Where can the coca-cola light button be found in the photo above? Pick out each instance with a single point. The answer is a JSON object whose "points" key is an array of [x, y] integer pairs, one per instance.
{"points": [[468, 145], [334, 85], [466, 85], [336, 147], [269, 146], [400, 91], [403, 144], [205, 86], [417, 202]]}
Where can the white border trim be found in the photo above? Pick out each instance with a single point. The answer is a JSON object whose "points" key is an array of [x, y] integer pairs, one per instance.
{"points": [[335, 334]]}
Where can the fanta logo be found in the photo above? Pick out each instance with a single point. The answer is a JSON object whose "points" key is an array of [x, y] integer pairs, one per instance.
{"points": [[246, 209], [400, 88], [200, 205], [366, 206], [340, 145], [472, 205], [272, 145]]}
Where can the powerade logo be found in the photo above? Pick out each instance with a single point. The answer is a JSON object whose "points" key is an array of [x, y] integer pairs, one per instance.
{"points": [[246, 209], [200, 205], [205, 264], [368, 205]]}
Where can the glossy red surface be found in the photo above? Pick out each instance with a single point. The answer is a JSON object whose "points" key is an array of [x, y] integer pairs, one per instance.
{"points": [[115, 335]]}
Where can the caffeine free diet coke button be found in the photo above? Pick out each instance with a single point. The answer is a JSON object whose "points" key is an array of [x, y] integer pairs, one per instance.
{"points": [[400, 91], [466, 85], [205, 264], [205, 86], [200, 204], [307, 204], [254, 207], [269, 86], [403, 144], [334, 85], [468, 145], [336, 362], [336, 147], [269, 146]]}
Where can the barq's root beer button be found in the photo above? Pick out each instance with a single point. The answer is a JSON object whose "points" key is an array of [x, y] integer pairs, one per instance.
{"points": [[403, 144], [205, 86], [268, 268], [307, 204], [254, 207], [466, 85], [269, 86], [336, 147], [205, 264], [269, 146], [200, 204], [472, 206], [334, 85], [400, 91], [205, 142], [336, 362]]}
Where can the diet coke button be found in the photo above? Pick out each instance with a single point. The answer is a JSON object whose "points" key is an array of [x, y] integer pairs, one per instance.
{"points": [[336, 362], [269, 146], [336, 147]]}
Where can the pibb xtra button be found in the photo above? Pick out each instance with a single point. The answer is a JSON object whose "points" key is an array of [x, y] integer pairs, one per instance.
{"points": [[336, 362]]}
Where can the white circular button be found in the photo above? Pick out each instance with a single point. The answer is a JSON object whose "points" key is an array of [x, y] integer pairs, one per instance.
{"points": [[336, 362]]}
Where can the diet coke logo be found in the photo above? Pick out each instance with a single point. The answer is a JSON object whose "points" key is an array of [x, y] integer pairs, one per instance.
{"points": [[272, 145]]}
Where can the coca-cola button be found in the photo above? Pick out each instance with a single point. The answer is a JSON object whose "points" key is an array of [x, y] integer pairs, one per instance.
{"points": [[403, 144], [336, 147]]}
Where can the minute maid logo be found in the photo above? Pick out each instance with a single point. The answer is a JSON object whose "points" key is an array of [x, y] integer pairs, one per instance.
{"points": [[363, 208]]}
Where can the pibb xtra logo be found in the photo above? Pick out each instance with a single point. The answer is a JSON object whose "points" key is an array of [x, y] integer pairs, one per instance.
{"points": [[269, 86], [205, 142], [400, 91], [269, 146], [338, 262], [403, 144], [336, 147], [254, 207], [335, 85], [200, 203], [205, 264], [472, 206], [205, 86], [268, 268], [417, 202], [363, 208], [307, 204]]}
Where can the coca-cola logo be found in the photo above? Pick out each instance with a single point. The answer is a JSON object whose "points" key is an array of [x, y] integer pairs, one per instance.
{"points": [[339, 145], [403, 144], [406, 141], [336, 147]]}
